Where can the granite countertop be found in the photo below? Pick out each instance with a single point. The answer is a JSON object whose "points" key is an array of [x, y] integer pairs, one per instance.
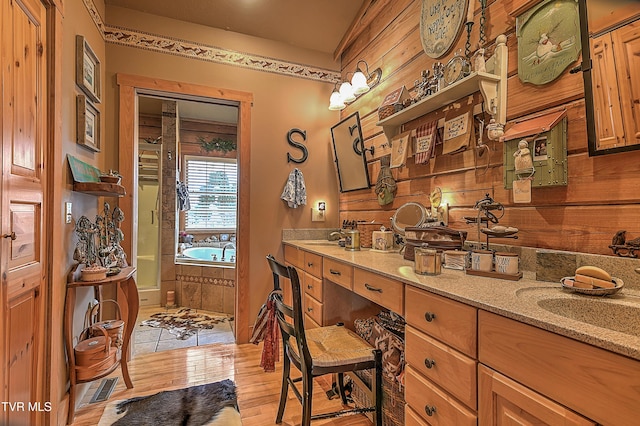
{"points": [[610, 322]]}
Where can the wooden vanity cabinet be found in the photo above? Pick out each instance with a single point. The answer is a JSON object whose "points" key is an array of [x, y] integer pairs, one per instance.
{"points": [[383, 291], [598, 384], [309, 267], [440, 353]]}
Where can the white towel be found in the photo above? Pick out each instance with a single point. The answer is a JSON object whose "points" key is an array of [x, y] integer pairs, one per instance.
{"points": [[295, 193]]}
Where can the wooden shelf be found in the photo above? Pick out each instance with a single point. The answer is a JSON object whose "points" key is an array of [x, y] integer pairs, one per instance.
{"points": [[103, 189]]}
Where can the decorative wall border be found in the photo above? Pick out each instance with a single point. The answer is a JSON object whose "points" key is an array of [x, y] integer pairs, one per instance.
{"points": [[192, 50], [222, 282]]}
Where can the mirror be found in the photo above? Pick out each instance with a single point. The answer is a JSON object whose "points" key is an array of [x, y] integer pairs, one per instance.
{"points": [[408, 215], [610, 50], [348, 150]]}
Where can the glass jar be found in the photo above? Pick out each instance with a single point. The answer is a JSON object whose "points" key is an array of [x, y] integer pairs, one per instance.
{"points": [[428, 261]]}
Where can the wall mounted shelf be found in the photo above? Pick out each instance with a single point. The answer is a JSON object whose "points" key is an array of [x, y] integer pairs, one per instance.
{"points": [[102, 189], [492, 85]]}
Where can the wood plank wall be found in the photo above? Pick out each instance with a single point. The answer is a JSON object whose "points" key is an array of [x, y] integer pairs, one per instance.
{"points": [[602, 195]]}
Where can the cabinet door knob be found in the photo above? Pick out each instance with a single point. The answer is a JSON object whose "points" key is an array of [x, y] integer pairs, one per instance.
{"points": [[429, 316], [429, 362], [12, 235], [430, 410]]}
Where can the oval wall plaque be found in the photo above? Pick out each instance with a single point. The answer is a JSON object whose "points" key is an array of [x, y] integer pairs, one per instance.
{"points": [[440, 24]]}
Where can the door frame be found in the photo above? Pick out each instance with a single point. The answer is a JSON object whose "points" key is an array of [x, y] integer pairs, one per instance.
{"points": [[129, 86]]}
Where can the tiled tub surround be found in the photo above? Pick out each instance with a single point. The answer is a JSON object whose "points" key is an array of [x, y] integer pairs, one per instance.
{"points": [[206, 287], [514, 299]]}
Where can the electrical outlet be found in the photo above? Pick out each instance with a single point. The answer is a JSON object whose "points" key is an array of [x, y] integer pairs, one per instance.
{"points": [[317, 215], [67, 212]]}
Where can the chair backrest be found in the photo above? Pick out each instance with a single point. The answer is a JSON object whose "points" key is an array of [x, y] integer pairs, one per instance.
{"points": [[290, 318]]}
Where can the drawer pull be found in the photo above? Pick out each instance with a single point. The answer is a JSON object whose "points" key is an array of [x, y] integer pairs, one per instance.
{"points": [[309, 286], [334, 272], [309, 309], [309, 264], [429, 316], [12, 235], [430, 410], [371, 288], [429, 362]]}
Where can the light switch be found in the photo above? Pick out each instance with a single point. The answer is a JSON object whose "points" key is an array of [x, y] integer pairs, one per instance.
{"points": [[67, 212]]}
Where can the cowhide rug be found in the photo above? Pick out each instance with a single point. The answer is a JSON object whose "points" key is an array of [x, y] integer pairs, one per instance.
{"points": [[185, 322], [212, 404]]}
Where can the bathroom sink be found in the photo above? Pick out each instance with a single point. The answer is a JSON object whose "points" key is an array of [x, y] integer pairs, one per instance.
{"points": [[322, 243], [621, 316]]}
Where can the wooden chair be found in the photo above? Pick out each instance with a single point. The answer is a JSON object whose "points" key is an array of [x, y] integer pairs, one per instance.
{"points": [[319, 351]]}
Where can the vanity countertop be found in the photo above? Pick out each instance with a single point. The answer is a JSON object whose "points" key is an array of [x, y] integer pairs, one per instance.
{"points": [[521, 300]]}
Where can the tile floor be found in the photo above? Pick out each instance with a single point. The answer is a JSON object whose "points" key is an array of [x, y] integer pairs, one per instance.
{"points": [[150, 339]]}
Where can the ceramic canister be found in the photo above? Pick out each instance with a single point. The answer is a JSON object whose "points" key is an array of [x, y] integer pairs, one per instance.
{"points": [[352, 239], [481, 260], [383, 239], [507, 263]]}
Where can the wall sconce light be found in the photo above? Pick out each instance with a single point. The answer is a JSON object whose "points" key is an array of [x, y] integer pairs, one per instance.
{"points": [[349, 91]]}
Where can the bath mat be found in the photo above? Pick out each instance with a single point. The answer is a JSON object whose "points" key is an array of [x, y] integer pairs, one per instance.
{"points": [[212, 404], [185, 322]]}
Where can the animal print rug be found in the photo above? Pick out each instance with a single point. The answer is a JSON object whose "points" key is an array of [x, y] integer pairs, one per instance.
{"points": [[185, 322], [211, 404]]}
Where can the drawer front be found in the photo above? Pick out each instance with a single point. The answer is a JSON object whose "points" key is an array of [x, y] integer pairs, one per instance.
{"points": [[434, 405], [338, 272], [313, 286], [594, 382], [411, 418], [451, 322], [313, 308], [446, 367], [313, 264], [309, 322], [381, 290], [294, 256]]}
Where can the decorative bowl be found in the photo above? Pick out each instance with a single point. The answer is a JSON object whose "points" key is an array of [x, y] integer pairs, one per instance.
{"points": [[94, 273], [594, 291], [110, 179]]}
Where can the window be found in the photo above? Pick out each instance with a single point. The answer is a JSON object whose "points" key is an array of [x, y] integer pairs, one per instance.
{"points": [[213, 193]]}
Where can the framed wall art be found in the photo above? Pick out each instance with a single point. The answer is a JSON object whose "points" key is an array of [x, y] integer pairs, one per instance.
{"points": [[87, 124], [441, 22], [87, 69]]}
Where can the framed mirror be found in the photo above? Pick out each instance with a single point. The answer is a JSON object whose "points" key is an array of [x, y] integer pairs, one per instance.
{"points": [[348, 150], [610, 49]]}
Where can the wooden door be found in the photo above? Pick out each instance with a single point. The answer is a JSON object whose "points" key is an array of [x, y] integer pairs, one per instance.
{"points": [[22, 263], [626, 45]]}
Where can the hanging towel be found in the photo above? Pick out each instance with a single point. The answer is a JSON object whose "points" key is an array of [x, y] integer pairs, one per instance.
{"points": [[426, 138], [183, 196], [400, 149], [295, 193], [386, 184]]}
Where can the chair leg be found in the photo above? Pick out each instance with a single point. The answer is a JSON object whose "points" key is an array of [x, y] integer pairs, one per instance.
{"points": [[343, 394], [376, 386], [307, 395], [284, 391]]}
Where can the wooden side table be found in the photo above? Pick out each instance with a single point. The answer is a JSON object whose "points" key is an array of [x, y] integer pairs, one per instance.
{"points": [[129, 305]]}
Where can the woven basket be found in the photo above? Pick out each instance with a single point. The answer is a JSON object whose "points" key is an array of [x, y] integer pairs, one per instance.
{"points": [[366, 233], [392, 399], [113, 327], [388, 111], [94, 356]]}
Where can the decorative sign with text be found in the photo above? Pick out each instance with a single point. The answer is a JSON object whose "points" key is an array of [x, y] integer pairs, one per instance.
{"points": [[440, 25]]}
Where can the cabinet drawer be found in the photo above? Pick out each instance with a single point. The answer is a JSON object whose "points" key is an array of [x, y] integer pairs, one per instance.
{"points": [[451, 322], [313, 286], [448, 368], [338, 272], [309, 322], [21, 284], [434, 405], [294, 256], [411, 418], [381, 290], [594, 382], [313, 264], [313, 308]]}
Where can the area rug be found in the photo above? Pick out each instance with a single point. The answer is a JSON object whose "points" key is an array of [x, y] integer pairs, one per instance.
{"points": [[185, 322], [212, 404]]}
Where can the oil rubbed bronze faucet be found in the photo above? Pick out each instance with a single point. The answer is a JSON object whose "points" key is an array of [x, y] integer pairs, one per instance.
{"points": [[224, 249], [336, 235]]}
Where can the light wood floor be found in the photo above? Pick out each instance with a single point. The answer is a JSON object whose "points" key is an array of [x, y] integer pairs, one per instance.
{"points": [[258, 392]]}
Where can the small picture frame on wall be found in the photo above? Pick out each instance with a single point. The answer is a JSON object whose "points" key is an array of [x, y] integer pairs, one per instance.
{"points": [[87, 123], [87, 69]]}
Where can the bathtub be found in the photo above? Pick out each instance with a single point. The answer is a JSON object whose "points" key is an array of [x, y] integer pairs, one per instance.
{"points": [[206, 255]]}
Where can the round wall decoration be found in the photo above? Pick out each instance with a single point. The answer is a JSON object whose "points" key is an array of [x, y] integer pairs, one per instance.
{"points": [[440, 25]]}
